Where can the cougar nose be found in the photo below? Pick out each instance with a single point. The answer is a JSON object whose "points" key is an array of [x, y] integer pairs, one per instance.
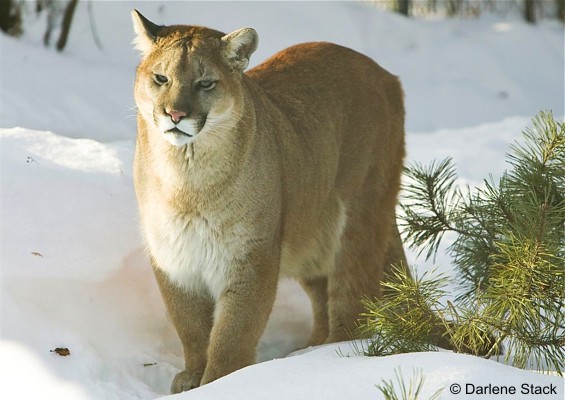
{"points": [[176, 116]]}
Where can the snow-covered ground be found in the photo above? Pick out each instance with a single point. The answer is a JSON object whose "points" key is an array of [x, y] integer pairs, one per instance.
{"points": [[73, 272]]}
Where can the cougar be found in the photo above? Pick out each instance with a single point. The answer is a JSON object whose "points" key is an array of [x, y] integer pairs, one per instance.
{"points": [[290, 169]]}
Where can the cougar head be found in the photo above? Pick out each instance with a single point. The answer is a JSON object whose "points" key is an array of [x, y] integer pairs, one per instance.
{"points": [[190, 77]]}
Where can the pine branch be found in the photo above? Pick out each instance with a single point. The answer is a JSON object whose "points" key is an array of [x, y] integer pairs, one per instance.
{"points": [[429, 206], [509, 252], [400, 391]]}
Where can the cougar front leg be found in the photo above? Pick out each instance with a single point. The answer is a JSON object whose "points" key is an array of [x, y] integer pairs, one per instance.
{"points": [[242, 313], [192, 316]]}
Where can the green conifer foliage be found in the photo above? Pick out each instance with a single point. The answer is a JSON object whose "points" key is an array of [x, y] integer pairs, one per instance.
{"points": [[400, 391], [509, 252]]}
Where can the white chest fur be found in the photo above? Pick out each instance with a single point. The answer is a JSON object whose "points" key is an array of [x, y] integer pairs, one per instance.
{"points": [[194, 254]]}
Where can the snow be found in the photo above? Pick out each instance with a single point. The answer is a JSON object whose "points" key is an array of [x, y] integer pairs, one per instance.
{"points": [[332, 377], [73, 270]]}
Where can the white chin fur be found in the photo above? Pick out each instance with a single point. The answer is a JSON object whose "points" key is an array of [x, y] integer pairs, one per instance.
{"points": [[177, 139], [189, 126]]}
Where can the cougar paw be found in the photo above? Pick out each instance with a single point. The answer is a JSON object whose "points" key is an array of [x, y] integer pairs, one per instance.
{"points": [[317, 338], [184, 381]]}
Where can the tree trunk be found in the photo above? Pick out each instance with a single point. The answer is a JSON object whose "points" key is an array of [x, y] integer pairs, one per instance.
{"points": [[561, 9], [403, 7], [5, 11], [453, 7], [529, 11], [10, 17], [67, 19]]}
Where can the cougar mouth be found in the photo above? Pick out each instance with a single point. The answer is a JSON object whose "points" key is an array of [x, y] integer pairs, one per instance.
{"points": [[183, 132], [177, 131]]}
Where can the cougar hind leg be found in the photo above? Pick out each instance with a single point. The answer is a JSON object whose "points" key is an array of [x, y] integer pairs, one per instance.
{"points": [[359, 265], [396, 259], [395, 254], [317, 291]]}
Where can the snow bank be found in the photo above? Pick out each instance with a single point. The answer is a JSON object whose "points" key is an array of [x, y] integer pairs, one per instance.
{"points": [[53, 185], [324, 373], [24, 376]]}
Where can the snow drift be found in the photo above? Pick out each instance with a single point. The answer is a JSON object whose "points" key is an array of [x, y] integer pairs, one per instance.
{"points": [[74, 273]]}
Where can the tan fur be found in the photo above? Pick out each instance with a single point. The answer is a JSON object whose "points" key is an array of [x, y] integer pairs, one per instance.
{"points": [[293, 170]]}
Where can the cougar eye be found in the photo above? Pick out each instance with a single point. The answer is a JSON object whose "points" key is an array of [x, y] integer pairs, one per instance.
{"points": [[160, 79], [206, 85]]}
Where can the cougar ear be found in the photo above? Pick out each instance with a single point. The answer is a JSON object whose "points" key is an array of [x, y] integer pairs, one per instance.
{"points": [[239, 45], [146, 32]]}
